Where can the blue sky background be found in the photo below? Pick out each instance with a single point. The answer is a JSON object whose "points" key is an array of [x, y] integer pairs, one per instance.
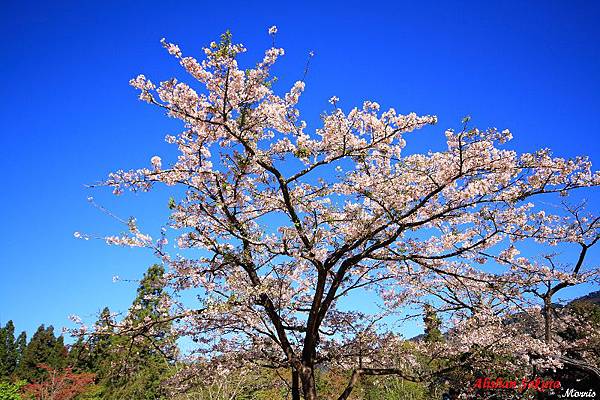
{"points": [[69, 117]]}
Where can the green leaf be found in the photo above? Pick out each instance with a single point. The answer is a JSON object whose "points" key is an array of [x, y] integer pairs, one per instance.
{"points": [[172, 204]]}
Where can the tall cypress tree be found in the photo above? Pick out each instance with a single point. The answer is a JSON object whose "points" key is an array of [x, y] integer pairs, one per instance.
{"points": [[432, 325], [44, 348], [21, 345], [100, 345], [148, 305], [142, 357], [94, 354], [9, 355]]}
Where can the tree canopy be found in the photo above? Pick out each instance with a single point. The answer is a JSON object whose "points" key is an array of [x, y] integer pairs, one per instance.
{"points": [[286, 222]]}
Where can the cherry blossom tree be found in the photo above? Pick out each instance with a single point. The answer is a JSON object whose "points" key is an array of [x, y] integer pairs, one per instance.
{"points": [[281, 223], [545, 278]]}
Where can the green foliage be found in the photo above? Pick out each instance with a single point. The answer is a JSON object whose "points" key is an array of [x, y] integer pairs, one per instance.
{"points": [[432, 326], [93, 393], [44, 348], [10, 391], [8, 350], [301, 152], [392, 388], [133, 366], [223, 48], [255, 384], [94, 355], [21, 345], [586, 310], [135, 369], [11, 350], [143, 384], [587, 314]]}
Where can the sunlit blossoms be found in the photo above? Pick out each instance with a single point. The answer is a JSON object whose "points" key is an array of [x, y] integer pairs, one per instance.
{"points": [[156, 162], [279, 222]]}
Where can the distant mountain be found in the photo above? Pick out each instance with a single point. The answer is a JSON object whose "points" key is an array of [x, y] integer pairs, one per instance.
{"points": [[593, 297]]}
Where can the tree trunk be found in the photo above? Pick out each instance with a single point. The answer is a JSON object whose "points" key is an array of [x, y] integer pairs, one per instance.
{"points": [[548, 319], [295, 385], [353, 379], [309, 387]]}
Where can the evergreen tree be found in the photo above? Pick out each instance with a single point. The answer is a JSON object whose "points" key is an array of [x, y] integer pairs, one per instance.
{"points": [[9, 354], [432, 325], [148, 305], [134, 364], [21, 345], [434, 334], [44, 348], [78, 356], [101, 344], [94, 354]]}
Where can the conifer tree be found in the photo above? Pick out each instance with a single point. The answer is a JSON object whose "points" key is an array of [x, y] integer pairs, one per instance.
{"points": [[9, 350], [432, 325], [21, 345], [150, 303], [44, 348], [133, 362], [93, 354]]}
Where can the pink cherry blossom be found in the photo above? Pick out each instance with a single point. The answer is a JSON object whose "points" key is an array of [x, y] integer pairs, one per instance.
{"points": [[280, 222]]}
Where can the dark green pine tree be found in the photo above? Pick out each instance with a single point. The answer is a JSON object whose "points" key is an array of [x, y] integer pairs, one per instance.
{"points": [[148, 305], [8, 357], [432, 325], [21, 345], [44, 348], [10, 350], [143, 356], [101, 344], [433, 334], [78, 356], [94, 353]]}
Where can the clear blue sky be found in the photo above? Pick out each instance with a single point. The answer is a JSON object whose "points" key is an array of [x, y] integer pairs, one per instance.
{"points": [[69, 116]]}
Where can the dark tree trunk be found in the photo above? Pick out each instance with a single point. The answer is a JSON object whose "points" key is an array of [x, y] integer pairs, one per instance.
{"points": [[309, 387], [295, 385], [548, 319], [353, 379]]}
